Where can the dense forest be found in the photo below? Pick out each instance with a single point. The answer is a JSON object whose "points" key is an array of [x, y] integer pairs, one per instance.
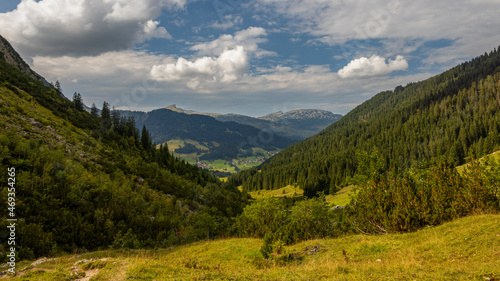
{"points": [[87, 181], [449, 117]]}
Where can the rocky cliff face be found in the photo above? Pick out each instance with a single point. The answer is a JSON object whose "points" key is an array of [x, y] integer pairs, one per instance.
{"points": [[302, 114], [10, 55]]}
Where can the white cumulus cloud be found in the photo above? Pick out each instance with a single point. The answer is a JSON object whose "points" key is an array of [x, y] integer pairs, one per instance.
{"points": [[80, 27], [372, 66], [248, 38], [230, 64]]}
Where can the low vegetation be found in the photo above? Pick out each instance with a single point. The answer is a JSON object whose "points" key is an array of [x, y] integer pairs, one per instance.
{"points": [[415, 199], [465, 249]]}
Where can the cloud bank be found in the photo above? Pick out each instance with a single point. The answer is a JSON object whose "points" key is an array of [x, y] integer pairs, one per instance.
{"points": [[79, 27]]}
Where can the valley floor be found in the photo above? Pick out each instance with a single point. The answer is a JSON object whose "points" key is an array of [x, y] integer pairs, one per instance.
{"points": [[465, 249]]}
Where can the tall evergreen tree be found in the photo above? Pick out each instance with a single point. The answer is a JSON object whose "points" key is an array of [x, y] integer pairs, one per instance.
{"points": [[58, 87], [77, 101], [105, 117], [93, 110], [115, 119], [145, 139]]}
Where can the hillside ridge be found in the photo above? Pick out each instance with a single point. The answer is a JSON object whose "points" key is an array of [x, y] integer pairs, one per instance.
{"points": [[445, 118]]}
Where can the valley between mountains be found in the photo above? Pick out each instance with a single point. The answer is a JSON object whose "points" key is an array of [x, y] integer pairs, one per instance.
{"points": [[406, 186]]}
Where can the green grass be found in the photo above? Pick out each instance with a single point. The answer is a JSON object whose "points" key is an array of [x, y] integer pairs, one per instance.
{"points": [[342, 197], [215, 165], [288, 191], [465, 249], [174, 144], [495, 156]]}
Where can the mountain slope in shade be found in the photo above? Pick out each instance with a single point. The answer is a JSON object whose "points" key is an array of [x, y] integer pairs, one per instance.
{"points": [[225, 140], [296, 124], [448, 117]]}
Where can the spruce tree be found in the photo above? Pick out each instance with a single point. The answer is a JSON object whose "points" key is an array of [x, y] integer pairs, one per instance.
{"points": [[105, 117], [77, 101], [145, 138], [58, 87], [93, 110]]}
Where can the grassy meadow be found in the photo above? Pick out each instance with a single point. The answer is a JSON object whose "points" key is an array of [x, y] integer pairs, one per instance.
{"points": [[465, 249]]}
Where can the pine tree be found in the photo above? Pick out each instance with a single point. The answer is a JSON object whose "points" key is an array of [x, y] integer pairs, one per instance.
{"points": [[105, 117], [145, 138], [115, 119], [58, 87], [93, 110], [77, 101]]}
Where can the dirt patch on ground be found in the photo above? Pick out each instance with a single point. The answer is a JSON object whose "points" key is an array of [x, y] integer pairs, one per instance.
{"points": [[89, 274]]}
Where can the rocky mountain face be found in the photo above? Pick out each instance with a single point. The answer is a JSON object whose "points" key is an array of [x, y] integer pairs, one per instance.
{"points": [[302, 114], [8, 53]]}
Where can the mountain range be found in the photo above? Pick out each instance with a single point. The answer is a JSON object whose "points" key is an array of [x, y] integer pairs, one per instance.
{"points": [[229, 136], [296, 124]]}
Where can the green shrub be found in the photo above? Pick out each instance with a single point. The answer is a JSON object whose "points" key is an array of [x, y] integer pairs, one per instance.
{"points": [[403, 203], [260, 217]]}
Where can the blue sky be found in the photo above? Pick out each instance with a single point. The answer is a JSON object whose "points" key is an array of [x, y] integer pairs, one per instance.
{"points": [[247, 57]]}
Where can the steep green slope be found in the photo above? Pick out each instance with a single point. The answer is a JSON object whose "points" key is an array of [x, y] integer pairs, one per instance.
{"points": [[445, 118], [85, 182]]}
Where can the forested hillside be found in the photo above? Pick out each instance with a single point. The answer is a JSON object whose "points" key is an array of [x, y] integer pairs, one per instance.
{"points": [[225, 140], [448, 117], [297, 124], [85, 181]]}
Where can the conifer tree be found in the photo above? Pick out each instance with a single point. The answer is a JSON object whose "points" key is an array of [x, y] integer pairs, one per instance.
{"points": [[145, 138], [77, 101], [93, 110], [105, 117], [58, 87]]}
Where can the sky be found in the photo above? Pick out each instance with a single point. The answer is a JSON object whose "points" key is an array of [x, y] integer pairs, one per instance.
{"points": [[246, 57]]}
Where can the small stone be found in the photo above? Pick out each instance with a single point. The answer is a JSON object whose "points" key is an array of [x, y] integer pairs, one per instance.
{"points": [[379, 260]]}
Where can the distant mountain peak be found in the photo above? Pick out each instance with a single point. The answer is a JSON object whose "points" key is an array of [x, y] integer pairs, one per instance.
{"points": [[301, 114], [174, 107]]}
